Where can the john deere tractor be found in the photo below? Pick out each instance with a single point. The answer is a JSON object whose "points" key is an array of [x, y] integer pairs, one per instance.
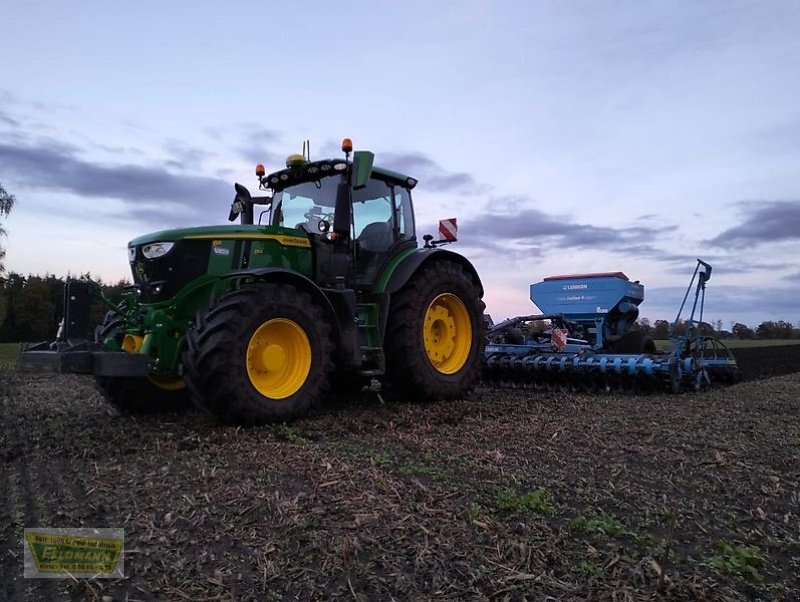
{"points": [[321, 285]]}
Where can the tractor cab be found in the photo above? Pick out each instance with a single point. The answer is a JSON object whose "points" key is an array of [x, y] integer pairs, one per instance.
{"points": [[355, 216]]}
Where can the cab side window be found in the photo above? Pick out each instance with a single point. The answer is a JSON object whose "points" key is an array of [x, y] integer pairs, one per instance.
{"points": [[405, 215], [373, 219]]}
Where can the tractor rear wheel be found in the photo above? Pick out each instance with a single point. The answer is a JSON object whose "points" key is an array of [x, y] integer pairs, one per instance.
{"points": [[261, 354], [435, 333], [137, 395]]}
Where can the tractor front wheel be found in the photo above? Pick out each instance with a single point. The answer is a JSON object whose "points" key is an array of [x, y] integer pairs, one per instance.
{"points": [[434, 337], [261, 354], [137, 395]]}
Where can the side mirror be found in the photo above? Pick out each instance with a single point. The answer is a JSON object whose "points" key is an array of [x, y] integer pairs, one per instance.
{"points": [[362, 168], [242, 205]]}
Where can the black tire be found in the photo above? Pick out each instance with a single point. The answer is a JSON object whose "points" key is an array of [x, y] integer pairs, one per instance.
{"points": [[409, 370], [215, 360], [135, 395], [636, 341]]}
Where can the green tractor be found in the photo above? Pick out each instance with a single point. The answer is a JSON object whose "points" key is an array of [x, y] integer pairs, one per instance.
{"points": [[322, 285]]}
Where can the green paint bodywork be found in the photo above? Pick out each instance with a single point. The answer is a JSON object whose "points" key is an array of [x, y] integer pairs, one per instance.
{"points": [[162, 326], [386, 274]]}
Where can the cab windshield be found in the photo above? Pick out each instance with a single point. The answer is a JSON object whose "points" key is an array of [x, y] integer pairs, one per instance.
{"points": [[304, 205]]}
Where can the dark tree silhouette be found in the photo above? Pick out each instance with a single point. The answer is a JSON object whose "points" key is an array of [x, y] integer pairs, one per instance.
{"points": [[7, 201]]}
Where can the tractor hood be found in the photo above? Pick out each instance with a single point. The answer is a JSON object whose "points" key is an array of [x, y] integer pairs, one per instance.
{"points": [[163, 263], [221, 232]]}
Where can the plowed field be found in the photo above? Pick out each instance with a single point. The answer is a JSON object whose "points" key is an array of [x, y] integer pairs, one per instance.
{"points": [[506, 495]]}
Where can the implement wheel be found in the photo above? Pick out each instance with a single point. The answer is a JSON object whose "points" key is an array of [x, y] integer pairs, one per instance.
{"points": [[261, 354], [434, 337], [137, 395]]}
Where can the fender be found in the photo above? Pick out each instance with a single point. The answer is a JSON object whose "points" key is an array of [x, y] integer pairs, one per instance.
{"points": [[396, 277], [339, 306], [400, 271]]}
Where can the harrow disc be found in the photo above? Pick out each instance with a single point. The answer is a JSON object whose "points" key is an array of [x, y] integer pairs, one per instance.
{"points": [[599, 373]]}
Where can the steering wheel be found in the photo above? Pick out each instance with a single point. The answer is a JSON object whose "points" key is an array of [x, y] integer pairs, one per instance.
{"points": [[319, 217], [317, 213]]}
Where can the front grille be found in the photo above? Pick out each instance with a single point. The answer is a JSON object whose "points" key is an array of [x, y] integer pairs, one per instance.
{"points": [[159, 279]]}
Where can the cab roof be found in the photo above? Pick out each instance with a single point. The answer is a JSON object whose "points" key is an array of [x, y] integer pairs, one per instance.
{"points": [[312, 170]]}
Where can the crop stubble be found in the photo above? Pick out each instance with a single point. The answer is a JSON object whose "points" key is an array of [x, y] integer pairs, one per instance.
{"points": [[365, 500]]}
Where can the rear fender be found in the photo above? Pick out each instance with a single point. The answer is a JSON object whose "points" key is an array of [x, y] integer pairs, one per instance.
{"points": [[398, 274]]}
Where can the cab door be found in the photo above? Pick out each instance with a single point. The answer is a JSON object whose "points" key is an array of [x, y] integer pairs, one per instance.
{"points": [[380, 227]]}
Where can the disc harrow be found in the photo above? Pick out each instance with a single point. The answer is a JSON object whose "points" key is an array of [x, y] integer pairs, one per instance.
{"points": [[591, 346], [593, 373]]}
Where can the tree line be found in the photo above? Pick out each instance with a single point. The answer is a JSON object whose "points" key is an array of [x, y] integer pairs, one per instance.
{"points": [[769, 329], [32, 306]]}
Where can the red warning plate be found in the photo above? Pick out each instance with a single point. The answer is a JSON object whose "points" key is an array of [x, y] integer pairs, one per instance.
{"points": [[448, 229], [558, 337]]}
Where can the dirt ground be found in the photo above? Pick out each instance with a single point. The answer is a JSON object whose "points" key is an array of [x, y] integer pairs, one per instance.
{"points": [[506, 495]]}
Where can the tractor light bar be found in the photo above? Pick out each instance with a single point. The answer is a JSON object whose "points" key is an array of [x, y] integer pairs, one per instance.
{"points": [[157, 249]]}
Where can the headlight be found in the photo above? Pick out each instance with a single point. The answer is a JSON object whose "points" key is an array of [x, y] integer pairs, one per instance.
{"points": [[131, 254], [157, 249]]}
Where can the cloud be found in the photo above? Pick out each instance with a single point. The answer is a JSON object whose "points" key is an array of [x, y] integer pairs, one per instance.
{"points": [[729, 265], [184, 155], [6, 119], [741, 303], [430, 174], [792, 277], [765, 221], [529, 226], [252, 142], [150, 193], [648, 251]]}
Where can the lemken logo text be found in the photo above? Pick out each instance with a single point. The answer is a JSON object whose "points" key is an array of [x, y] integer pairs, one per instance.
{"points": [[572, 287]]}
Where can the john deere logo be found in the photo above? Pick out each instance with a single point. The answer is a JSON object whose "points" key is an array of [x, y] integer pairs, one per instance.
{"points": [[58, 552]]}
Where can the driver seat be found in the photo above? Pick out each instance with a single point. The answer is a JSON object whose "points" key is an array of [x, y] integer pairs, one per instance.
{"points": [[373, 243], [375, 237]]}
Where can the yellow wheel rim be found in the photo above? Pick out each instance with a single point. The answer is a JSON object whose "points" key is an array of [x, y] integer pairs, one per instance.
{"points": [[447, 333], [278, 358], [166, 383], [132, 343]]}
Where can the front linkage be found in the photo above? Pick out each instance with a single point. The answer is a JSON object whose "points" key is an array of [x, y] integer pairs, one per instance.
{"points": [[73, 352]]}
